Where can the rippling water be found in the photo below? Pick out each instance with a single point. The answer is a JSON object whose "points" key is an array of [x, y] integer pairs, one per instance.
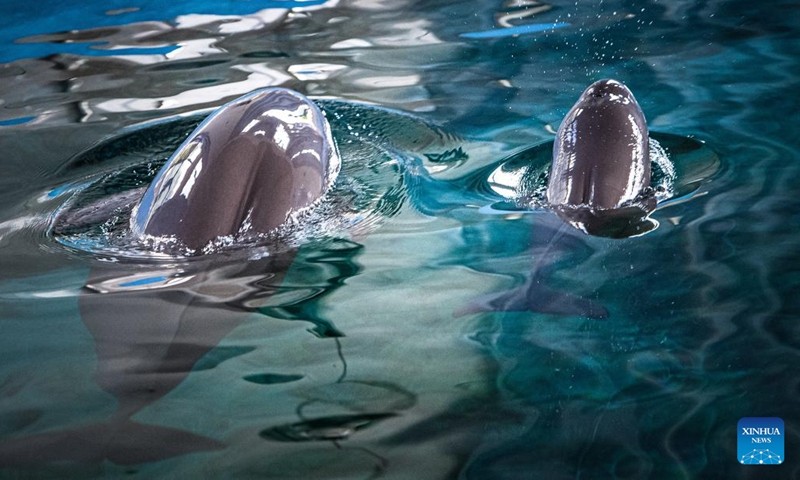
{"points": [[353, 351]]}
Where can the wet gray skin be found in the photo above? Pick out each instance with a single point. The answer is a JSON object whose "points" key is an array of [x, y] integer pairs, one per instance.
{"points": [[600, 177], [254, 162]]}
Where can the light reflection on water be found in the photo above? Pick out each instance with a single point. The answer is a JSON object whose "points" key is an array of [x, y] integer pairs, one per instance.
{"points": [[343, 358]]}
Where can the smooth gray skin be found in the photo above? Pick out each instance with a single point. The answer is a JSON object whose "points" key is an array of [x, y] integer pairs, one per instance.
{"points": [[600, 176], [256, 160]]}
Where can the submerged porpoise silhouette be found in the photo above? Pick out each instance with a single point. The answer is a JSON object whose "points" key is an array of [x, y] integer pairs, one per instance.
{"points": [[599, 183], [251, 165]]}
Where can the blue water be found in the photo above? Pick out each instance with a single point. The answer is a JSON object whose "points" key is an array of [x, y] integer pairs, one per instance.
{"points": [[353, 353]]}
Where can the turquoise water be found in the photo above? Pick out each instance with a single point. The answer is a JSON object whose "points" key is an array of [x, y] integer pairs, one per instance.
{"points": [[354, 352]]}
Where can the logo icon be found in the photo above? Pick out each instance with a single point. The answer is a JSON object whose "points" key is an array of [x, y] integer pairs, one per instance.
{"points": [[760, 441]]}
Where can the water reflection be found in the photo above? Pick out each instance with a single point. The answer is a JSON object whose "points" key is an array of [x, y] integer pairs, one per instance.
{"points": [[655, 390], [366, 403], [227, 56]]}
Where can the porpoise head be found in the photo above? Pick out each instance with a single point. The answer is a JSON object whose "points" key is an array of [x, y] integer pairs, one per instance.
{"points": [[256, 161], [600, 177]]}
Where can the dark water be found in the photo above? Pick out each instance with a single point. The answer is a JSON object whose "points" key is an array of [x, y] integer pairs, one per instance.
{"points": [[349, 354]]}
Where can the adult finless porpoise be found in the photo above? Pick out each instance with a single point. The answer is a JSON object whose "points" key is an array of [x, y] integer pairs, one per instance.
{"points": [[251, 165], [255, 162]]}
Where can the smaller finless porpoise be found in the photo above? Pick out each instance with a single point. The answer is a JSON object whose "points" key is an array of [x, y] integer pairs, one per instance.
{"points": [[599, 183], [600, 177]]}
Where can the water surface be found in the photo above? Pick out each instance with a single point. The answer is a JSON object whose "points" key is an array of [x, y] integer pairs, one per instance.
{"points": [[344, 356]]}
